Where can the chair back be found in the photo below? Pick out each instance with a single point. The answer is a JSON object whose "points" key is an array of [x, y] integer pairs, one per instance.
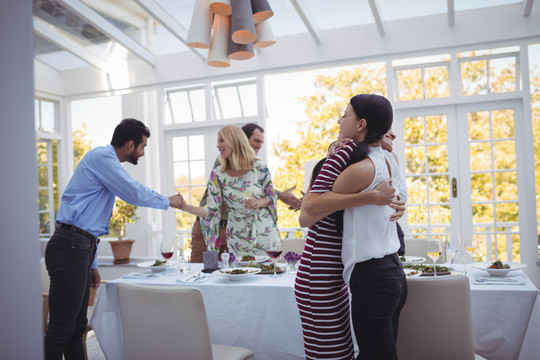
{"points": [[293, 244], [163, 322], [436, 321]]}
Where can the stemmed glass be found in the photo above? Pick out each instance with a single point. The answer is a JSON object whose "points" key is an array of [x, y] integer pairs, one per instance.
{"points": [[471, 246], [274, 249], [434, 251], [453, 244], [167, 251]]}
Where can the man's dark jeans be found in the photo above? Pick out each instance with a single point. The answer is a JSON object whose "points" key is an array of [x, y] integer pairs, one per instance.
{"points": [[68, 258], [379, 291]]}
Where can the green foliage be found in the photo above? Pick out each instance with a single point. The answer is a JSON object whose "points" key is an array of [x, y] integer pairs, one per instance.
{"points": [[122, 213]]}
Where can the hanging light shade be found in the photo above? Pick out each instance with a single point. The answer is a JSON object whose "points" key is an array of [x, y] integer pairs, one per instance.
{"points": [[201, 26], [221, 32], [221, 7], [240, 51], [242, 27], [265, 36], [261, 11]]}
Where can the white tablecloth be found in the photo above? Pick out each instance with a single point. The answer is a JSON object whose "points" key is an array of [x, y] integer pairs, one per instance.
{"points": [[260, 313]]}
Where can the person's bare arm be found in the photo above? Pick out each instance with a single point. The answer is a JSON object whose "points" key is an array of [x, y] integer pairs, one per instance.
{"points": [[194, 210], [290, 199], [316, 206]]}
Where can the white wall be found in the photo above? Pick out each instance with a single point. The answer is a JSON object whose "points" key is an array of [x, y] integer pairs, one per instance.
{"points": [[20, 297]]}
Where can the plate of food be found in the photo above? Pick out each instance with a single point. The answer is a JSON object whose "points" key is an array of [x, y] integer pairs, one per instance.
{"points": [[154, 265], [237, 273], [498, 268], [248, 260], [269, 269], [427, 270], [411, 260], [410, 273]]}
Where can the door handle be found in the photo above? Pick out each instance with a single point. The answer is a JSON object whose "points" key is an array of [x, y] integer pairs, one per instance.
{"points": [[454, 187]]}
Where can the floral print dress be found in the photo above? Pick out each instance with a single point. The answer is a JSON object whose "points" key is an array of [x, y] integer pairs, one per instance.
{"points": [[248, 230]]}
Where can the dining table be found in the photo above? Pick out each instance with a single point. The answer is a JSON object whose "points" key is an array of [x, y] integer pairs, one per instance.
{"points": [[259, 312]]}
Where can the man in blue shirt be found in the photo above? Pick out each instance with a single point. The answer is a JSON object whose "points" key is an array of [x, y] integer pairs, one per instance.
{"points": [[83, 216]]}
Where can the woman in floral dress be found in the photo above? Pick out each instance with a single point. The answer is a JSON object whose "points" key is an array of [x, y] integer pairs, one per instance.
{"points": [[244, 184]]}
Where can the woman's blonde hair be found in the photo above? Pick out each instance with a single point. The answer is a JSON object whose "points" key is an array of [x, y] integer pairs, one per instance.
{"points": [[243, 156]]}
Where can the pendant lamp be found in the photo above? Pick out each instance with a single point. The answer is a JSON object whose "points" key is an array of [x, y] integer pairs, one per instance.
{"points": [[265, 36], [242, 27], [240, 51], [221, 32], [221, 7], [201, 25], [261, 11]]}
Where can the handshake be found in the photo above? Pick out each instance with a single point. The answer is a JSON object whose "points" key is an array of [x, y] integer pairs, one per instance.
{"points": [[177, 201]]}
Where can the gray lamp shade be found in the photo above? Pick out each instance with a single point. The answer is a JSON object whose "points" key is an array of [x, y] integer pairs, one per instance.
{"points": [[221, 7], [201, 26], [261, 11], [242, 27], [265, 36], [221, 34], [240, 51]]}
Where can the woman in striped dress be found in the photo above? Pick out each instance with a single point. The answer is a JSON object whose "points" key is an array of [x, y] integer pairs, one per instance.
{"points": [[321, 294]]}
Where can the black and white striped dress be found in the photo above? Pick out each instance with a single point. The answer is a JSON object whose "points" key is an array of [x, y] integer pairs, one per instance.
{"points": [[321, 294]]}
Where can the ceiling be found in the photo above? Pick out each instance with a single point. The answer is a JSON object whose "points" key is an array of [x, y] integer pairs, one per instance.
{"points": [[77, 35]]}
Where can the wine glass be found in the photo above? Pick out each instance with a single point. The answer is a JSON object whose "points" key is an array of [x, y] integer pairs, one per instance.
{"points": [[274, 249], [471, 246], [167, 250], [434, 251], [453, 244]]}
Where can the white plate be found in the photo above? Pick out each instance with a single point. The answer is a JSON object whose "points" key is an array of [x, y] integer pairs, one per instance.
{"points": [[258, 259], [235, 277], [412, 260], [498, 272], [410, 273], [148, 265]]}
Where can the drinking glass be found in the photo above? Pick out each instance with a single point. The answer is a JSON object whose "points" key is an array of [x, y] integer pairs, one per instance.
{"points": [[274, 249], [453, 244], [167, 250], [471, 246], [434, 251]]}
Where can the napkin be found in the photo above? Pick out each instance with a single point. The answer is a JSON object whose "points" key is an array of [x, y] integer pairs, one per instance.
{"points": [[478, 278], [141, 275], [195, 278]]}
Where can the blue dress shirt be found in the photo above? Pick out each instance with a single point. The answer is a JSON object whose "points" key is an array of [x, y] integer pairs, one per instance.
{"points": [[89, 197]]}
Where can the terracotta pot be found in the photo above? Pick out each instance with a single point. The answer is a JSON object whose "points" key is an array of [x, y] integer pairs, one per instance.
{"points": [[121, 250]]}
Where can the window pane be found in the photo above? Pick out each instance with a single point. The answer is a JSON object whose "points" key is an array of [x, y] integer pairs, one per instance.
{"points": [[229, 102], [198, 104], [507, 212], [181, 173], [47, 116], [417, 215], [41, 148], [43, 199], [417, 188], [197, 194], [504, 154], [410, 84], [181, 108], [36, 113], [416, 160], [474, 77], [479, 125], [198, 176], [481, 187], [502, 74], [196, 147], [436, 82], [436, 129], [437, 159], [482, 213], [439, 214], [503, 123], [480, 156], [439, 189], [506, 185], [414, 130], [43, 176], [180, 149], [248, 96], [44, 224]]}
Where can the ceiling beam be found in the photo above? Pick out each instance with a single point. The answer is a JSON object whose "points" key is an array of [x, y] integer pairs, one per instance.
{"points": [[451, 13], [164, 18], [109, 29], [377, 16], [116, 11], [57, 38], [305, 14], [527, 7]]}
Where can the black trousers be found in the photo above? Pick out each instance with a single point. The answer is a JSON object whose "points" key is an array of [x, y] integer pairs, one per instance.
{"points": [[68, 256], [379, 291]]}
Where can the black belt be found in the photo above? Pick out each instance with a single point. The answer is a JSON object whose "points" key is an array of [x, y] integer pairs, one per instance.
{"points": [[80, 231]]}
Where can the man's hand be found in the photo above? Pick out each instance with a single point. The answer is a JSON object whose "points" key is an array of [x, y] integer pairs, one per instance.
{"points": [[400, 209], [384, 193], [290, 199], [95, 278], [177, 201]]}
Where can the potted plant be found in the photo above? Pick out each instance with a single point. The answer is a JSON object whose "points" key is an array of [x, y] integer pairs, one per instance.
{"points": [[122, 213]]}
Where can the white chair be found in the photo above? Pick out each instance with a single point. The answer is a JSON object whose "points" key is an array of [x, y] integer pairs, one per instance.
{"points": [[169, 322], [293, 244], [436, 321], [418, 247]]}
